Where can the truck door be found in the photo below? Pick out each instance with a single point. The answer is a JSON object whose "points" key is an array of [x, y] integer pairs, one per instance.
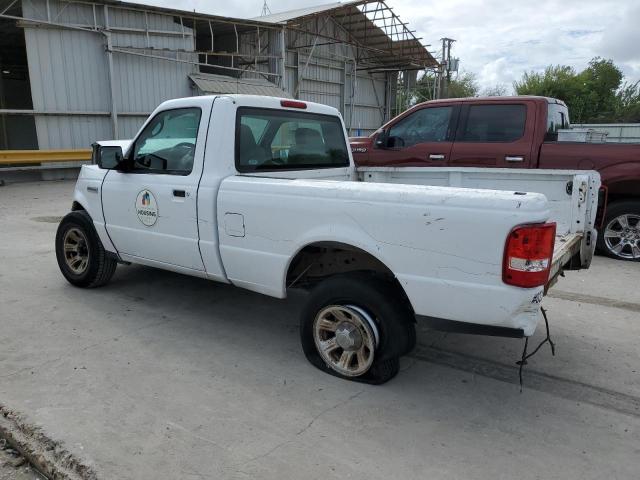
{"points": [[150, 209], [494, 135], [420, 138]]}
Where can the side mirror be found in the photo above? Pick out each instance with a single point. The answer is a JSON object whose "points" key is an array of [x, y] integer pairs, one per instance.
{"points": [[382, 139], [395, 142], [107, 157]]}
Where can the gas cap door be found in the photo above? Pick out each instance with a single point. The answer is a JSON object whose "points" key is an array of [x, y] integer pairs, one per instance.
{"points": [[234, 224]]}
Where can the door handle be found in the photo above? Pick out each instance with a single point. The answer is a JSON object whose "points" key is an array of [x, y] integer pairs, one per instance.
{"points": [[436, 156], [516, 158], [179, 193]]}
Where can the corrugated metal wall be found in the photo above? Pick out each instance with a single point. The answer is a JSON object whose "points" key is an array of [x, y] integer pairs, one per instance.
{"points": [[328, 73], [69, 72]]}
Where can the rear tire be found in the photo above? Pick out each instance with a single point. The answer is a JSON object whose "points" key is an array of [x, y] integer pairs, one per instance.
{"points": [[81, 256], [356, 326], [620, 235]]}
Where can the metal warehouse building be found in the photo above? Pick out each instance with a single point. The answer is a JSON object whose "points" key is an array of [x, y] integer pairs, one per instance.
{"points": [[77, 71]]}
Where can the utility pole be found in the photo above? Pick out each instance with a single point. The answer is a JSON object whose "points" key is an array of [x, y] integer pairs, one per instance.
{"points": [[444, 72], [265, 9]]}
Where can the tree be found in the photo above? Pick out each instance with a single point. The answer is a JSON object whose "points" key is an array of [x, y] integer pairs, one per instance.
{"points": [[628, 103], [595, 94], [498, 90], [464, 85]]}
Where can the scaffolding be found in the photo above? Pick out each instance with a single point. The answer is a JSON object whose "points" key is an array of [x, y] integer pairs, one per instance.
{"points": [[346, 54]]}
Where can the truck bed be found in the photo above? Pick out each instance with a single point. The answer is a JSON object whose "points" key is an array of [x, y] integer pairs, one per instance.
{"points": [[572, 196]]}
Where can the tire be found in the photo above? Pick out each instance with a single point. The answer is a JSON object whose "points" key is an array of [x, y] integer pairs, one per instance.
{"points": [[84, 263], [359, 318], [614, 239]]}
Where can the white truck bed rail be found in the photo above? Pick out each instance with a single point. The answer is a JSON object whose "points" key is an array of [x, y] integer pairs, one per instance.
{"points": [[572, 196]]}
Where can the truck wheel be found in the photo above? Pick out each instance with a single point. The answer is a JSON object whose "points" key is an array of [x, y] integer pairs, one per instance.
{"points": [[81, 256], [356, 326], [620, 237]]}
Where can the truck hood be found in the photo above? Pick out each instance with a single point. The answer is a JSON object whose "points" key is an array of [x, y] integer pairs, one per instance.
{"points": [[92, 172]]}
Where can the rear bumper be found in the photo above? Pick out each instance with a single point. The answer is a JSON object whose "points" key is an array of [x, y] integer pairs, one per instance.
{"points": [[469, 328], [501, 306]]}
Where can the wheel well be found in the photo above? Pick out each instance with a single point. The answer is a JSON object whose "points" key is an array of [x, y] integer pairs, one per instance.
{"points": [[320, 260], [75, 206]]}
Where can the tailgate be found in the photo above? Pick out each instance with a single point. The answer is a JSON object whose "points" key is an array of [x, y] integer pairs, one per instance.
{"points": [[572, 197]]}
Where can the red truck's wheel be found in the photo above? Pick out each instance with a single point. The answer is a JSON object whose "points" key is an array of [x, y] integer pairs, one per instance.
{"points": [[355, 326], [620, 236]]}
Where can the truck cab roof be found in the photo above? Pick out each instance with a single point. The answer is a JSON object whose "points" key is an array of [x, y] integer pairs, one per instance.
{"points": [[517, 98], [259, 101]]}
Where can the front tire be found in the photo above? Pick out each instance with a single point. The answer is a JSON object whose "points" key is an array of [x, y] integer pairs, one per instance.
{"points": [[356, 326], [620, 236], [81, 256]]}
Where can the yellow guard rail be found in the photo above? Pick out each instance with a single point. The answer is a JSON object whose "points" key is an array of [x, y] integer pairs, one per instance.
{"points": [[26, 157]]}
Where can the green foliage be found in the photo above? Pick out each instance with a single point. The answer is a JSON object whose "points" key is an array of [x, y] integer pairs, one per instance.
{"points": [[464, 85], [595, 95], [423, 90], [498, 90]]}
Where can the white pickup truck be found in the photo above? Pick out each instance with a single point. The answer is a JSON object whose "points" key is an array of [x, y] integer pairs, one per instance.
{"points": [[262, 193]]}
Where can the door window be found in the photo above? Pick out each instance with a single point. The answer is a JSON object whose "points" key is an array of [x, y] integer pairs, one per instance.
{"points": [[425, 125], [168, 143], [493, 123]]}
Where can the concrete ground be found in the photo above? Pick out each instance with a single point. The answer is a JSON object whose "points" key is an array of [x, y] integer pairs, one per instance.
{"points": [[159, 375]]}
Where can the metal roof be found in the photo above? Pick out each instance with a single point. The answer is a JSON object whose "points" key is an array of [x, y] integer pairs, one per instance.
{"points": [[210, 83], [369, 23], [283, 17]]}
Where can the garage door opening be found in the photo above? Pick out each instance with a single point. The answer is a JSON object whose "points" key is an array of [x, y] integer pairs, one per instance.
{"points": [[17, 125]]}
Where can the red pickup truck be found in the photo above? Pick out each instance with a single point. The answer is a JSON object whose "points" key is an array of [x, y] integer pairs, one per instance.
{"points": [[513, 132]]}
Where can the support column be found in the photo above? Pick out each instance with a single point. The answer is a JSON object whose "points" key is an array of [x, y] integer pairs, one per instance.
{"points": [[112, 87], [283, 70]]}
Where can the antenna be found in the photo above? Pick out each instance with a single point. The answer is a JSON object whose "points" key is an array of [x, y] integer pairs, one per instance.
{"points": [[265, 9]]}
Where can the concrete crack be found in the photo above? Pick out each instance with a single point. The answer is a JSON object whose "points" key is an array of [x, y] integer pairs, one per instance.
{"points": [[337, 405], [307, 427]]}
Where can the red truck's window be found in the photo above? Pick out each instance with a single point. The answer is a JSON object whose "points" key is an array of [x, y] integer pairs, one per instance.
{"points": [[557, 119], [284, 140], [423, 126], [493, 123]]}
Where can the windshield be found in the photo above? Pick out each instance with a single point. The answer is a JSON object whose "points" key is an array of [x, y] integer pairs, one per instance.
{"points": [[285, 140]]}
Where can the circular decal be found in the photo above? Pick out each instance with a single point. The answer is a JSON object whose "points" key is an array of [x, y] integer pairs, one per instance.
{"points": [[147, 208]]}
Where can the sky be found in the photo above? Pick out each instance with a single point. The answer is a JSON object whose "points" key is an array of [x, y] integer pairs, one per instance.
{"points": [[497, 40]]}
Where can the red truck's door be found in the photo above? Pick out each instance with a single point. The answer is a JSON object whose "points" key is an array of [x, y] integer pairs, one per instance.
{"points": [[494, 134], [422, 137]]}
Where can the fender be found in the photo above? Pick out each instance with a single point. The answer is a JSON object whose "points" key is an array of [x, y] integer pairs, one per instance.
{"points": [[87, 194]]}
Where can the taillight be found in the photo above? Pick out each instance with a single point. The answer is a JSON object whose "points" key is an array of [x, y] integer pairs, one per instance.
{"points": [[528, 255], [293, 104]]}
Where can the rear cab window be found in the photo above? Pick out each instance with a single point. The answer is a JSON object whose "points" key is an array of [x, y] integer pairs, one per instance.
{"points": [[557, 119], [493, 123], [271, 140]]}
